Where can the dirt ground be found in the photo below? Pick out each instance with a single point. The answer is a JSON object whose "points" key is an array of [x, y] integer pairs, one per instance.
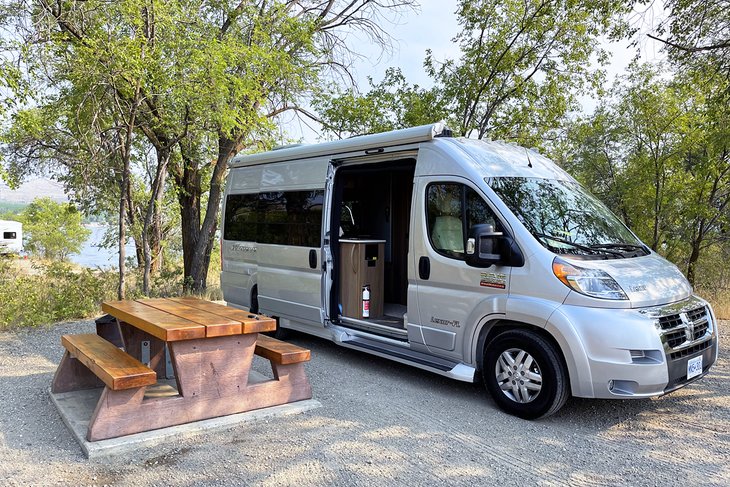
{"points": [[380, 423]]}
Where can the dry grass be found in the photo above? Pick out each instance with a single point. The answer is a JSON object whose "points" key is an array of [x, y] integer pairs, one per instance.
{"points": [[720, 301]]}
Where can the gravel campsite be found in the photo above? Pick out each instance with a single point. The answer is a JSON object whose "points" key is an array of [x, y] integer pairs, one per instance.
{"points": [[380, 423]]}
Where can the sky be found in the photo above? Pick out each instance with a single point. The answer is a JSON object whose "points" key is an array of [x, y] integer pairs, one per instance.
{"points": [[434, 26]]}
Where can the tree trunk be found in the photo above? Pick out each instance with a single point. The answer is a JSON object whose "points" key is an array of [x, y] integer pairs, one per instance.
{"points": [[158, 185], [200, 239], [121, 290], [189, 196], [692, 262], [125, 194]]}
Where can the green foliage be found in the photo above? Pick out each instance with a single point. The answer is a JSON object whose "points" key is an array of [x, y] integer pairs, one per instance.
{"points": [[524, 63], [697, 34], [190, 82], [50, 293], [53, 230], [390, 104], [658, 153], [522, 67]]}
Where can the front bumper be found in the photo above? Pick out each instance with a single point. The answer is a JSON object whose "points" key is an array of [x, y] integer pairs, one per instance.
{"points": [[635, 353]]}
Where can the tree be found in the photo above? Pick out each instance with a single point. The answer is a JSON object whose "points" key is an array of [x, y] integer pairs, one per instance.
{"points": [[390, 104], [696, 33], [524, 63], [657, 152], [53, 230], [208, 78]]}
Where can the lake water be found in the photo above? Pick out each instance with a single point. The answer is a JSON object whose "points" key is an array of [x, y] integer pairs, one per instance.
{"points": [[93, 256]]}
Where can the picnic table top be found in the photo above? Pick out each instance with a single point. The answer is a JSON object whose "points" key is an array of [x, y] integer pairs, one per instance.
{"points": [[187, 318]]}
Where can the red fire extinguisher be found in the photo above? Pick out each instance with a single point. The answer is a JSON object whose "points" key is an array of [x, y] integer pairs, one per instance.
{"points": [[366, 301]]}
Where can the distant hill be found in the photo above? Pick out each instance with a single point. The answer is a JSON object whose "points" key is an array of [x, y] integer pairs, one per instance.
{"points": [[30, 190]]}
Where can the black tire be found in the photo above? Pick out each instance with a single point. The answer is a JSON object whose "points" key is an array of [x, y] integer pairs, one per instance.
{"points": [[544, 379]]}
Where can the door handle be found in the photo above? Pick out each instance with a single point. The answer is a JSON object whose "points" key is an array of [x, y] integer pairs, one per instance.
{"points": [[424, 268], [312, 259]]}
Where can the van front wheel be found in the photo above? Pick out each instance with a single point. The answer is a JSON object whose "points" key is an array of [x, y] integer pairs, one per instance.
{"points": [[525, 374]]}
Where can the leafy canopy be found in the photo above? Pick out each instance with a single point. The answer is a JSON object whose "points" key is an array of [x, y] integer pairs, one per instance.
{"points": [[53, 230]]}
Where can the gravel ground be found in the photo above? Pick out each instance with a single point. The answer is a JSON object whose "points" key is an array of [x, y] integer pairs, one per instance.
{"points": [[381, 424]]}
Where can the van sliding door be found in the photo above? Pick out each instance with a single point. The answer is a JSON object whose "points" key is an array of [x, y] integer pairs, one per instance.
{"points": [[289, 236]]}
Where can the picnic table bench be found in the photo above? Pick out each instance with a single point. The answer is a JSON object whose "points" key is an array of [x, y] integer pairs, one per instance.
{"points": [[210, 348]]}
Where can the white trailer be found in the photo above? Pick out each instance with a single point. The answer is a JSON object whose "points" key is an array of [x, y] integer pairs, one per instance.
{"points": [[11, 237]]}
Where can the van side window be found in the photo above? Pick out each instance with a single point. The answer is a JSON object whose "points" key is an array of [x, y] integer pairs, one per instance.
{"points": [[452, 209], [291, 218], [10, 235], [478, 212], [241, 217], [281, 217], [445, 224]]}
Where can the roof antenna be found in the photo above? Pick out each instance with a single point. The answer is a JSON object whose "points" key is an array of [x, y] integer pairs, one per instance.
{"points": [[529, 162]]}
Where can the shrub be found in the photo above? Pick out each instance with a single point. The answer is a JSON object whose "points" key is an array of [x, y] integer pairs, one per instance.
{"points": [[52, 292]]}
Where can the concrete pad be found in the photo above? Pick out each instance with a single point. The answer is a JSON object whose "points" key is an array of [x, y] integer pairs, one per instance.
{"points": [[77, 407]]}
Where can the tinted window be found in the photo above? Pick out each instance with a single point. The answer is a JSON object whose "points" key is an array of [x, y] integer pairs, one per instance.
{"points": [[285, 218], [241, 217], [10, 235], [449, 205]]}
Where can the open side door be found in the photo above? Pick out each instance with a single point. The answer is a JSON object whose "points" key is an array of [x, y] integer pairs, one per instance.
{"points": [[328, 276]]}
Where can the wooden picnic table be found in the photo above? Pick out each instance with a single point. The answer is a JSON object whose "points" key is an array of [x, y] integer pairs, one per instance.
{"points": [[210, 348]]}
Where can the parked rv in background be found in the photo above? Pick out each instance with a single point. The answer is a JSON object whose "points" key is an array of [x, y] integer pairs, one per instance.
{"points": [[11, 237]]}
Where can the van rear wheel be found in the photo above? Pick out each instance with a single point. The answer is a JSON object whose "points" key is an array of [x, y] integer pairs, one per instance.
{"points": [[525, 374]]}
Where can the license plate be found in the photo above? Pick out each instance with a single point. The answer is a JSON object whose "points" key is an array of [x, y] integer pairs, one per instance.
{"points": [[694, 367]]}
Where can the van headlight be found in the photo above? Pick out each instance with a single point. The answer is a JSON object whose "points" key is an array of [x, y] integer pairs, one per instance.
{"points": [[591, 282]]}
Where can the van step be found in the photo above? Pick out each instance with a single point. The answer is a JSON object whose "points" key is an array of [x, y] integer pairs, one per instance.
{"points": [[395, 352], [373, 326]]}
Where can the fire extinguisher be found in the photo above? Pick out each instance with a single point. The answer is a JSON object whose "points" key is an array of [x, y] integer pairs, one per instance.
{"points": [[366, 301]]}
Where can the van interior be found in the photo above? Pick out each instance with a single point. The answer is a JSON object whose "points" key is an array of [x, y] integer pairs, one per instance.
{"points": [[370, 230]]}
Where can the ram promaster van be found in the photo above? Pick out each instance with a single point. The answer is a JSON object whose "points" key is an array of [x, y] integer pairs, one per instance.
{"points": [[461, 256]]}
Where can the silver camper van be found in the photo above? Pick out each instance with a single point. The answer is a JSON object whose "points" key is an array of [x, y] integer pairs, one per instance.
{"points": [[460, 256]]}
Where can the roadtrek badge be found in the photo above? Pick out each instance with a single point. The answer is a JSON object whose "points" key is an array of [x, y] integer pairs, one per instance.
{"points": [[493, 279]]}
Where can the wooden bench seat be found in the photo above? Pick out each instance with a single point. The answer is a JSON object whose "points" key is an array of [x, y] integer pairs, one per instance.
{"points": [[113, 366], [282, 353]]}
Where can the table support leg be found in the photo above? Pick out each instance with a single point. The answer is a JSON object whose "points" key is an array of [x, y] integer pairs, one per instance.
{"points": [[133, 338], [112, 416], [72, 375]]}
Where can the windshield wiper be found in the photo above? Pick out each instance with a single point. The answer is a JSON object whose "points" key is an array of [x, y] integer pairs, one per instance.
{"points": [[591, 249], [620, 245]]}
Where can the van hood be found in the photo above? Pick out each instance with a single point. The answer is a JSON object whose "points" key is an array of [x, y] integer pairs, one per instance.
{"points": [[647, 281]]}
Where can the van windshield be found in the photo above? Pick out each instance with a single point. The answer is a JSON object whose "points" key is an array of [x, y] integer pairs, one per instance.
{"points": [[566, 219]]}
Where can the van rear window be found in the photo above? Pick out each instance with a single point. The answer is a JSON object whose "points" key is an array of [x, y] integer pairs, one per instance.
{"points": [[10, 235], [281, 217]]}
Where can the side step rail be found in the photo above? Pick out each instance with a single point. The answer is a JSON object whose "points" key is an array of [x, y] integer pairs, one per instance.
{"points": [[454, 370]]}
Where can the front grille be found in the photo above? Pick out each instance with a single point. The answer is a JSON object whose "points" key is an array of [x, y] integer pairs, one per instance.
{"points": [[667, 322], [700, 330], [676, 338], [697, 314], [684, 328], [690, 350]]}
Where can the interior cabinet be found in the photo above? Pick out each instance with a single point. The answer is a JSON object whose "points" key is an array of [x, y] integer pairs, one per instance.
{"points": [[361, 264]]}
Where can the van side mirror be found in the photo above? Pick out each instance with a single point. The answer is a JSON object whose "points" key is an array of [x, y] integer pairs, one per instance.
{"points": [[485, 247]]}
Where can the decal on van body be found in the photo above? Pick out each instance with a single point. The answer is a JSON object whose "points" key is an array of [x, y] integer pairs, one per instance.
{"points": [[442, 321], [237, 247], [493, 279]]}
